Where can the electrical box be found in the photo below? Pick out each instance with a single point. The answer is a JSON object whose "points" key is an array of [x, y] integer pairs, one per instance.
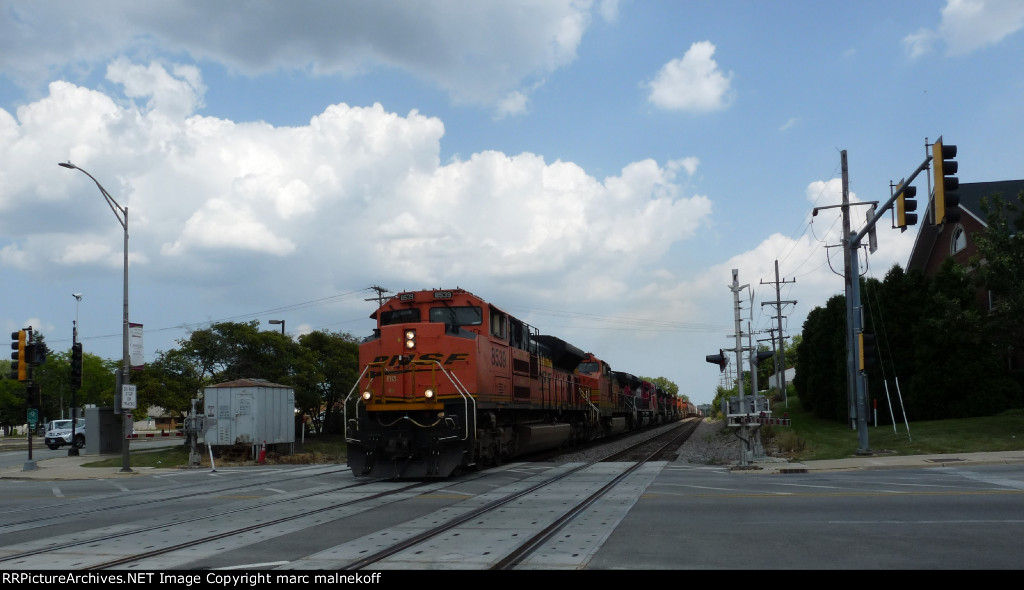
{"points": [[248, 411]]}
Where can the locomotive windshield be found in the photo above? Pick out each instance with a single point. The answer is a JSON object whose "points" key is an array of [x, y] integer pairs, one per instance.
{"points": [[400, 316], [587, 367], [469, 315]]}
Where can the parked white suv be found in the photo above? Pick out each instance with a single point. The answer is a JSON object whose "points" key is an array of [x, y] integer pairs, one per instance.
{"points": [[59, 434]]}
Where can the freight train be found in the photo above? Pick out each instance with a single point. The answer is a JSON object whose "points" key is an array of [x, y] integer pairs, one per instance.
{"points": [[450, 382]]}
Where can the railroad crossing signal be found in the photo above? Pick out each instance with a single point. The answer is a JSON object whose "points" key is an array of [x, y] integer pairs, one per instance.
{"points": [[947, 200], [718, 359]]}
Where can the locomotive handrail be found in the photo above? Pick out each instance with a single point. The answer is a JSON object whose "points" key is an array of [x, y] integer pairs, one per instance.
{"points": [[467, 398], [350, 392], [594, 410], [461, 389]]}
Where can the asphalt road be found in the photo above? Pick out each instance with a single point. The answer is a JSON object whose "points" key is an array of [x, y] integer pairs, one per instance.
{"points": [[672, 515]]}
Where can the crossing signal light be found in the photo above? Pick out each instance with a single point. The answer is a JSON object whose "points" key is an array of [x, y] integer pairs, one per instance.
{"points": [[19, 360], [718, 359], [76, 365], [867, 351], [905, 205], [947, 199]]}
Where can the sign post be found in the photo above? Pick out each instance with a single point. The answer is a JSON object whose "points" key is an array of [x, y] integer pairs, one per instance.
{"points": [[128, 403]]}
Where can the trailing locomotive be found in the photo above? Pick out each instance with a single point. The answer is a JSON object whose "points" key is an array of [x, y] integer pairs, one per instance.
{"points": [[450, 381]]}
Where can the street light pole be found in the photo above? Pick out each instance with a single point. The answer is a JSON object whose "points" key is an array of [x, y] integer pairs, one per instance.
{"points": [[121, 213], [279, 322], [72, 449]]}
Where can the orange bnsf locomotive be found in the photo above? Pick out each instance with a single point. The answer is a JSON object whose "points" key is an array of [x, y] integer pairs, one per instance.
{"points": [[450, 381]]}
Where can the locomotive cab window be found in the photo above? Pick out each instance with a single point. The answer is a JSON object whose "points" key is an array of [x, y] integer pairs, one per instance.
{"points": [[467, 315], [499, 323], [400, 316]]}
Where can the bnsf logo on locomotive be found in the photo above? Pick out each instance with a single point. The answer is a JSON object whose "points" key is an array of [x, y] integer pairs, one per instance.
{"points": [[430, 357]]}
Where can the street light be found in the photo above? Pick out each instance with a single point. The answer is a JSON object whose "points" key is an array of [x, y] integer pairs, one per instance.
{"points": [[121, 213], [72, 449], [279, 322]]}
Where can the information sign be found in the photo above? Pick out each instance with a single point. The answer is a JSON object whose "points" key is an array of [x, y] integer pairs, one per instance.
{"points": [[128, 397]]}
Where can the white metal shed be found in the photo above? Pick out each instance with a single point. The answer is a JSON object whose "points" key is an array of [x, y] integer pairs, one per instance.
{"points": [[249, 411]]}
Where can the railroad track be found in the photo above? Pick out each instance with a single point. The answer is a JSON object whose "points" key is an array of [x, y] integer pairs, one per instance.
{"points": [[636, 456], [143, 544]]}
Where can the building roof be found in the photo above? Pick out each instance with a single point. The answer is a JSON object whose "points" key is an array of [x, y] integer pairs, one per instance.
{"points": [[971, 194], [250, 383]]}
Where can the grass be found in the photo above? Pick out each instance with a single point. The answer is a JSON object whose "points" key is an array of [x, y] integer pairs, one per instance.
{"points": [[810, 438]]}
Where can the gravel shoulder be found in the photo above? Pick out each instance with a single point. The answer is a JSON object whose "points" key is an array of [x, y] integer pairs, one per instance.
{"points": [[714, 444]]}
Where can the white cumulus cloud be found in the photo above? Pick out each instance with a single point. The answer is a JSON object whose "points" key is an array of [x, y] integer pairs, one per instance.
{"points": [[693, 82], [967, 26]]}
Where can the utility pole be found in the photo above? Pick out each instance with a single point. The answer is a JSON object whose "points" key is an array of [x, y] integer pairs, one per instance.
{"points": [[380, 295], [849, 278], [778, 303]]}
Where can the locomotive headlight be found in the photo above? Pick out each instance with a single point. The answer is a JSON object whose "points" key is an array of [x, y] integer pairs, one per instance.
{"points": [[367, 394], [410, 339], [429, 393]]}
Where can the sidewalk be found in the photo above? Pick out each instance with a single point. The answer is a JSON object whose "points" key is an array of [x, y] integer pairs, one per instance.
{"points": [[70, 468], [774, 465], [65, 468]]}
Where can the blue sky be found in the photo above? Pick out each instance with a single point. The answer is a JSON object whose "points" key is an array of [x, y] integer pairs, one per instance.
{"points": [[595, 168]]}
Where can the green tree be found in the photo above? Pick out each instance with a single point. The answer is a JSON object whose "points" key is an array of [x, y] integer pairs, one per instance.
{"points": [[792, 351], [327, 369], [170, 382], [820, 380], [12, 400], [999, 267], [959, 369], [227, 351], [321, 367]]}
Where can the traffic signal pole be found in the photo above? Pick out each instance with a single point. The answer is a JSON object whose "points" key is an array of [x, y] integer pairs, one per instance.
{"points": [[856, 379]]}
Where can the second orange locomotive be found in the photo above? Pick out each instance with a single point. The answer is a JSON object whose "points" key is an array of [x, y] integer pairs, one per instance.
{"points": [[450, 381]]}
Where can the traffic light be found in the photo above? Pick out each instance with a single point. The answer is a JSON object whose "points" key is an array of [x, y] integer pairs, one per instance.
{"points": [[34, 395], [35, 354], [19, 364], [718, 359], [867, 351], [947, 199], [905, 204], [76, 365]]}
